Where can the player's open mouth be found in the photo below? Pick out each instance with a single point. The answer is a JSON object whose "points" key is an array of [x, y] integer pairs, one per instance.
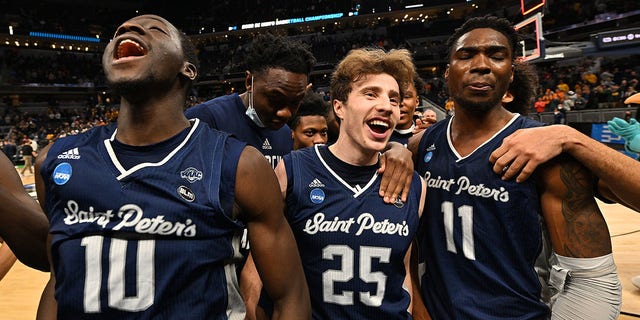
{"points": [[129, 48], [378, 126]]}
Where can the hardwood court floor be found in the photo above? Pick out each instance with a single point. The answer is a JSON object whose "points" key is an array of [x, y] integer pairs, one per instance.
{"points": [[21, 288]]}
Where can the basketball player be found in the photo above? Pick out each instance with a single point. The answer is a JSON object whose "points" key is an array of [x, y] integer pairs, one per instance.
{"points": [[309, 124], [143, 212], [23, 225], [482, 234], [410, 101], [276, 80], [355, 248]]}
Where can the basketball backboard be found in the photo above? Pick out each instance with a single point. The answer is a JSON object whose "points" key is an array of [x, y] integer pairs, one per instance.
{"points": [[532, 44], [529, 6]]}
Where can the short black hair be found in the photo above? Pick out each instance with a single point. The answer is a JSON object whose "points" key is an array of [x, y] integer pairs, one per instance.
{"points": [[313, 104], [269, 51], [191, 56], [501, 25], [189, 50]]}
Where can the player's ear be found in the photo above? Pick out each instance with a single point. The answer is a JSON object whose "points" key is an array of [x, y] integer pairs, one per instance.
{"points": [[446, 72], [507, 98], [189, 70], [248, 81], [338, 109]]}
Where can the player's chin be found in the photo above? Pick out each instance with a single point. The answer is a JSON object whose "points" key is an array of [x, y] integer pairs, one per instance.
{"points": [[378, 144]]}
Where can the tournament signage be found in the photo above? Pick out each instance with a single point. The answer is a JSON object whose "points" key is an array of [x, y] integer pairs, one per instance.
{"points": [[617, 38]]}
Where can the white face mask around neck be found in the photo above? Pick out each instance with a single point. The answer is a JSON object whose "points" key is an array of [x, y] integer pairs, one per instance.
{"points": [[251, 111]]}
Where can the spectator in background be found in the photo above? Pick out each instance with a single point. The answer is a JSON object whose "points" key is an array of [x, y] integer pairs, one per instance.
{"points": [[570, 101], [449, 107], [27, 155], [10, 150], [559, 115], [540, 105], [580, 101], [425, 120]]}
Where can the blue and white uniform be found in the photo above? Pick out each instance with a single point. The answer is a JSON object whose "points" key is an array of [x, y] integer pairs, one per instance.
{"points": [[227, 113], [351, 243], [481, 234], [148, 241], [402, 136]]}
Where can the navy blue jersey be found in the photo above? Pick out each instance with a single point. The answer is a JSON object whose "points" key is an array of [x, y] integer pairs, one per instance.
{"points": [[227, 113], [402, 136], [351, 243], [482, 234], [149, 242]]}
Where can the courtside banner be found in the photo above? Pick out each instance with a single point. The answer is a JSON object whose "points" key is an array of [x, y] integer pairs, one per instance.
{"points": [[601, 132]]}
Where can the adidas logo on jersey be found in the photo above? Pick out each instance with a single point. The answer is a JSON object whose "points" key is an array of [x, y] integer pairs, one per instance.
{"points": [[266, 145], [70, 154], [316, 184], [431, 147]]}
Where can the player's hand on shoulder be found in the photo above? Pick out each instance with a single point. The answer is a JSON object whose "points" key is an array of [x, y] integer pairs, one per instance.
{"points": [[396, 167], [526, 149]]}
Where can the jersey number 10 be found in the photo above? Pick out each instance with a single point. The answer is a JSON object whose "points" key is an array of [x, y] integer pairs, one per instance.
{"points": [[145, 280]]}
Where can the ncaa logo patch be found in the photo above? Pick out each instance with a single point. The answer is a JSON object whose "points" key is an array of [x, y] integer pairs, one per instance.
{"points": [[62, 173], [428, 156], [316, 196], [186, 193]]}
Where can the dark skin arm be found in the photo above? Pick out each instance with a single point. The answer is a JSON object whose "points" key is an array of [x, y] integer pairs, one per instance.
{"points": [[619, 175], [396, 167], [23, 225], [7, 259], [576, 225], [48, 307], [273, 246]]}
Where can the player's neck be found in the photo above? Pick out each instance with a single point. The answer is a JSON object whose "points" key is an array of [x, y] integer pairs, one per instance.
{"points": [[472, 123], [143, 125], [353, 154], [470, 130]]}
